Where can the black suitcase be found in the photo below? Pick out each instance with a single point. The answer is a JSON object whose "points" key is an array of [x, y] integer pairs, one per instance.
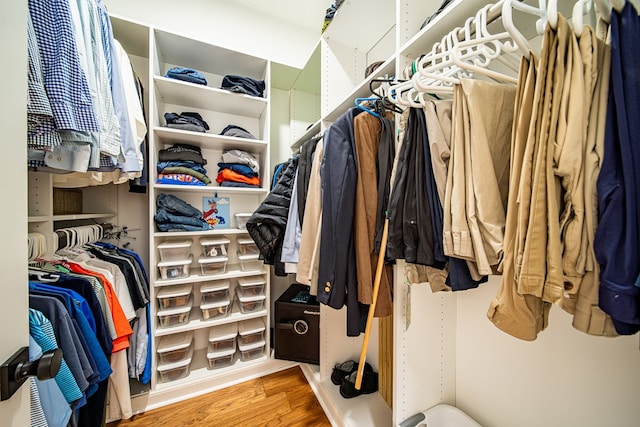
{"points": [[297, 326]]}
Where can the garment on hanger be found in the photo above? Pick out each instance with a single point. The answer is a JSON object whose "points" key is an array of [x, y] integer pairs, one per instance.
{"points": [[305, 161]]}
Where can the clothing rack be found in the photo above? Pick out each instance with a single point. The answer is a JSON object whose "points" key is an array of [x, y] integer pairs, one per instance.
{"points": [[105, 231]]}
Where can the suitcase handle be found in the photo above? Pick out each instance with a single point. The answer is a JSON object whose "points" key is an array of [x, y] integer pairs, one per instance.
{"points": [[300, 327]]}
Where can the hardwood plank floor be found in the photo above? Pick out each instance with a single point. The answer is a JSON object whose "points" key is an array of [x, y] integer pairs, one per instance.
{"points": [[283, 399]]}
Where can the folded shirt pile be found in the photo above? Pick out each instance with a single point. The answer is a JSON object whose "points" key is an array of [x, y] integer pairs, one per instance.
{"points": [[182, 164], [245, 85], [186, 74], [237, 131], [238, 169], [174, 214], [187, 120]]}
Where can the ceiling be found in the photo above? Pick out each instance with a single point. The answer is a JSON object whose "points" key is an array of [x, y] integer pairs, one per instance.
{"points": [[308, 14]]}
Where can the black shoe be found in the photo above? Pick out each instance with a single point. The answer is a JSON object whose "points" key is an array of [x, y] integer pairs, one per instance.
{"points": [[342, 370], [369, 384]]}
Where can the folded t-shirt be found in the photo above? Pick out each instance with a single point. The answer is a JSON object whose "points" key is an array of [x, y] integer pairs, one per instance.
{"points": [[229, 175]]}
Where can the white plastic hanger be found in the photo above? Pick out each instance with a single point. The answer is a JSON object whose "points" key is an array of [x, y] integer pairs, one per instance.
{"points": [[603, 7], [618, 5], [507, 20], [552, 14]]}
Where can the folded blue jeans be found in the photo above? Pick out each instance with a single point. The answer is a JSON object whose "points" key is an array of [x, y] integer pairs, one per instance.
{"points": [[164, 217], [187, 75], [175, 206]]}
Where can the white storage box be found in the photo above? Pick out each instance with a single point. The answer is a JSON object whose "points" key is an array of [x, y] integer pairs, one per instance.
{"points": [[215, 291], [221, 359], [175, 269], [174, 316], [215, 310], [174, 296], [250, 303], [251, 351], [223, 337], [252, 285], [241, 220], [212, 248], [251, 331], [175, 251], [246, 246], [175, 371], [249, 262], [217, 265], [175, 348]]}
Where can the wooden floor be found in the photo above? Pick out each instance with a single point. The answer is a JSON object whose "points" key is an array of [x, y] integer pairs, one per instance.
{"points": [[283, 399]]}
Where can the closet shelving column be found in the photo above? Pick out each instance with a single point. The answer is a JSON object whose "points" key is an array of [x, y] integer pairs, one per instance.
{"points": [[219, 108]]}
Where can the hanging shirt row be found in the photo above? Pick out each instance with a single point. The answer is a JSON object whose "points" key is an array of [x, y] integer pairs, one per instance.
{"points": [[84, 108]]}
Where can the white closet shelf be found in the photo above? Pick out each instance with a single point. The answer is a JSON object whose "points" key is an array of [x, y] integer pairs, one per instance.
{"points": [[208, 140], [220, 232], [197, 322], [314, 129], [233, 271], [208, 98], [75, 217], [38, 218], [388, 68], [209, 189]]}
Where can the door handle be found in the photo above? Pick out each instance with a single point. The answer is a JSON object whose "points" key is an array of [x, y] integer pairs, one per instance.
{"points": [[15, 371]]}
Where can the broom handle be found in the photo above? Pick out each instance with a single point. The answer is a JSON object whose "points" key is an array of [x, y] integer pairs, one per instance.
{"points": [[372, 307]]}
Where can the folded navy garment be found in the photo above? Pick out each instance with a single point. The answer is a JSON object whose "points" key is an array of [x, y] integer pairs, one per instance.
{"points": [[187, 75], [185, 163], [245, 85], [237, 131], [187, 120], [237, 184], [238, 168]]}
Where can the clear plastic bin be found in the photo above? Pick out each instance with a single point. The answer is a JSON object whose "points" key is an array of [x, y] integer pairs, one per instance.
{"points": [[249, 303], [217, 265], [247, 246], [175, 269], [252, 285], [175, 348], [175, 371], [251, 331], [251, 351], [221, 359], [212, 248], [175, 251], [241, 220], [223, 337], [174, 296], [215, 310], [174, 316], [214, 291], [249, 262]]}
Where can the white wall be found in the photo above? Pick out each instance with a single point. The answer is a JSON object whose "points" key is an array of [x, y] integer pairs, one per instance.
{"points": [[564, 378], [225, 24]]}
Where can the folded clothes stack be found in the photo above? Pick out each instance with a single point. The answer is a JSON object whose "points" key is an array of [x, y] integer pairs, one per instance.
{"points": [[238, 169], [237, 131], [245, 85], [186, 74], [187, 120], [182, 164], [174, 214]]}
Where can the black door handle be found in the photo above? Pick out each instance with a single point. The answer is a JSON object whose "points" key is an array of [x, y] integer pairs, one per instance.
{"points": [[15, 371]]}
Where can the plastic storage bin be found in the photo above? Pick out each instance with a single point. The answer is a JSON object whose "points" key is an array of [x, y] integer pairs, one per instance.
{"points": [[174, 296], [252, 285], [175, 251], [217, 265], [175, 371], [246, 246], [174, 316], [214, 291], [250, 303], [175, 348], [251, 331], [249, 262], [241, 220], [251, 351], [215, 247], [221, 359], [175, 269], [223, 337], [215, 310]]}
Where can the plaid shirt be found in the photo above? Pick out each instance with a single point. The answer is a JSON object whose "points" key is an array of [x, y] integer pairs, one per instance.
{"points": [[64, 80]]}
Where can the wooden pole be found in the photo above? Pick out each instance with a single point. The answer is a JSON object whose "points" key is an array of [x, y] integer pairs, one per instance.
{"points": [[372, 307]]}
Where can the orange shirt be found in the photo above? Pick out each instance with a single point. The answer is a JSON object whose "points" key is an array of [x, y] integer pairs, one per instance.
{"points": [[229, 175]]}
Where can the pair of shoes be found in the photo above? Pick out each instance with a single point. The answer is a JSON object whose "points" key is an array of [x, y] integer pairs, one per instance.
{"points": [[343, 370], [369, 384]]}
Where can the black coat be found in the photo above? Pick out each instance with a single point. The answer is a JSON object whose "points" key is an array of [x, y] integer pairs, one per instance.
{"points": [[268, 223]]}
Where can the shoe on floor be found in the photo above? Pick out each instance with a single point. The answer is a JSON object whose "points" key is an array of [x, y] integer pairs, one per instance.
{"points": [[369, 384], [342, 370]]}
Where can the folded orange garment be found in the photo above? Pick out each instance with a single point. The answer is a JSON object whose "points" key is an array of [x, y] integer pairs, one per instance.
{"points": [[229, 175]]}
